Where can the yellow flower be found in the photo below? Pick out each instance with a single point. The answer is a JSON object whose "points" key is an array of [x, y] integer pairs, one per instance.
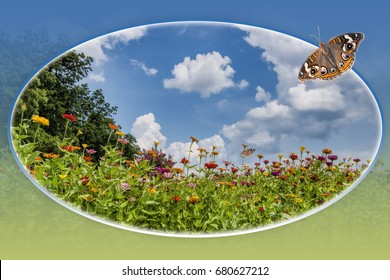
{"points": [[84, 145], [40, 120], [120, 133], [302, 149], [79, 132], [62, 176], [93, 190], [151, 190]]}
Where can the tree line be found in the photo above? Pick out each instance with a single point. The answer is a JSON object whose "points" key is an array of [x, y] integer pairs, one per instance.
{"points": [[57, 90]]}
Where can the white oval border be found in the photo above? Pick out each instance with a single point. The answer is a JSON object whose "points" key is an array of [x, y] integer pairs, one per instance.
{"points": [[191, 235]]}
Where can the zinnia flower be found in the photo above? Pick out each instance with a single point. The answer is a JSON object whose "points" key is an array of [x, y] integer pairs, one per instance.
{"points": [[332, 157], [125, 186], [176, 198], [69, 117], [193, 139], [90, 151], [211, 165], [123, 141], [194, 199], [40, 120], [120, 133], [113, 126]]}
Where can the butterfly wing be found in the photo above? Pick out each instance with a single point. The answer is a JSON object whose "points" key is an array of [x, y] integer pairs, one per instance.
{"points": [[247, 152], [331, 59], [317, 66], [343, 48]]}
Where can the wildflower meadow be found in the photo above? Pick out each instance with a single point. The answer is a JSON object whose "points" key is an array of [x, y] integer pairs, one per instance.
{"points": [[151, 191]]}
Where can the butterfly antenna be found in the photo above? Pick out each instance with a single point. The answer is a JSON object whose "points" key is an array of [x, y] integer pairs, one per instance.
{"points": [[319, 35]]}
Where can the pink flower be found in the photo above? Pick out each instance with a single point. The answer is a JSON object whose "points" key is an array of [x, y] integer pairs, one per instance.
{"points": [[123, 141]]}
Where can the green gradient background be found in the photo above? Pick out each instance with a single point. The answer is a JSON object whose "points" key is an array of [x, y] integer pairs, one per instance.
{"points": [[35, 227], [32, 226]]}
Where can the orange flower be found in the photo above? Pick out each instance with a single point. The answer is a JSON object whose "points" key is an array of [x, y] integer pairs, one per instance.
{"points": [[193, 139], [70, 148], [87, 158], [194, 199], [177, 170], [50, 155], [113, 126]]}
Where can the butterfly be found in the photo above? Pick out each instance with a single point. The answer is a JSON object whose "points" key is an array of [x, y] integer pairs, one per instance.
{"points": [[247, 152], [331, 59]]}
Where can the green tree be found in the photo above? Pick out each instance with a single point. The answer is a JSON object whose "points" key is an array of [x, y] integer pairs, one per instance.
{"points": [[57, 90]]}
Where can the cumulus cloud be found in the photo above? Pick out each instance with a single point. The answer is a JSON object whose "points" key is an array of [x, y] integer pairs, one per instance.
{"points": [[95, 48], [207, 74], [262, 95], [313, 110], [97, 76], [148, 71], [243, 84], [146, 131], [178, 150]]}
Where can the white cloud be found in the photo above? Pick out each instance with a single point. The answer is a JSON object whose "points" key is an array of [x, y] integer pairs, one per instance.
{"points": [[316, 110], [146, 131], [148, 71], [178, 150], [97, 76], [243, 84], [326, 98], [95, 48], [262, 95], [207, 74]]}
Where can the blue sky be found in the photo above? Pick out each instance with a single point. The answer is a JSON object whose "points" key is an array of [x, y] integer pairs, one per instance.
{"points": [[297, 19], [228, 85]]}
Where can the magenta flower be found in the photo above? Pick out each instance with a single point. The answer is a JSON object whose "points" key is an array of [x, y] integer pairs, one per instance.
{"points": [[321, 158], [332, 157]]}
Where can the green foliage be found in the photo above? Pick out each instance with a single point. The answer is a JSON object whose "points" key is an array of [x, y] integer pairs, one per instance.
{"points": [[57, 90], [149, 192]]}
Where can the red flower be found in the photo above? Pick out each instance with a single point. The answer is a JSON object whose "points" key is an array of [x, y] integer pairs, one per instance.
{"points": [[211, 165], [234, 170], [176, 198], [69, 117], [184, 160], [85, 180], [294, 156], [87, 158]]}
